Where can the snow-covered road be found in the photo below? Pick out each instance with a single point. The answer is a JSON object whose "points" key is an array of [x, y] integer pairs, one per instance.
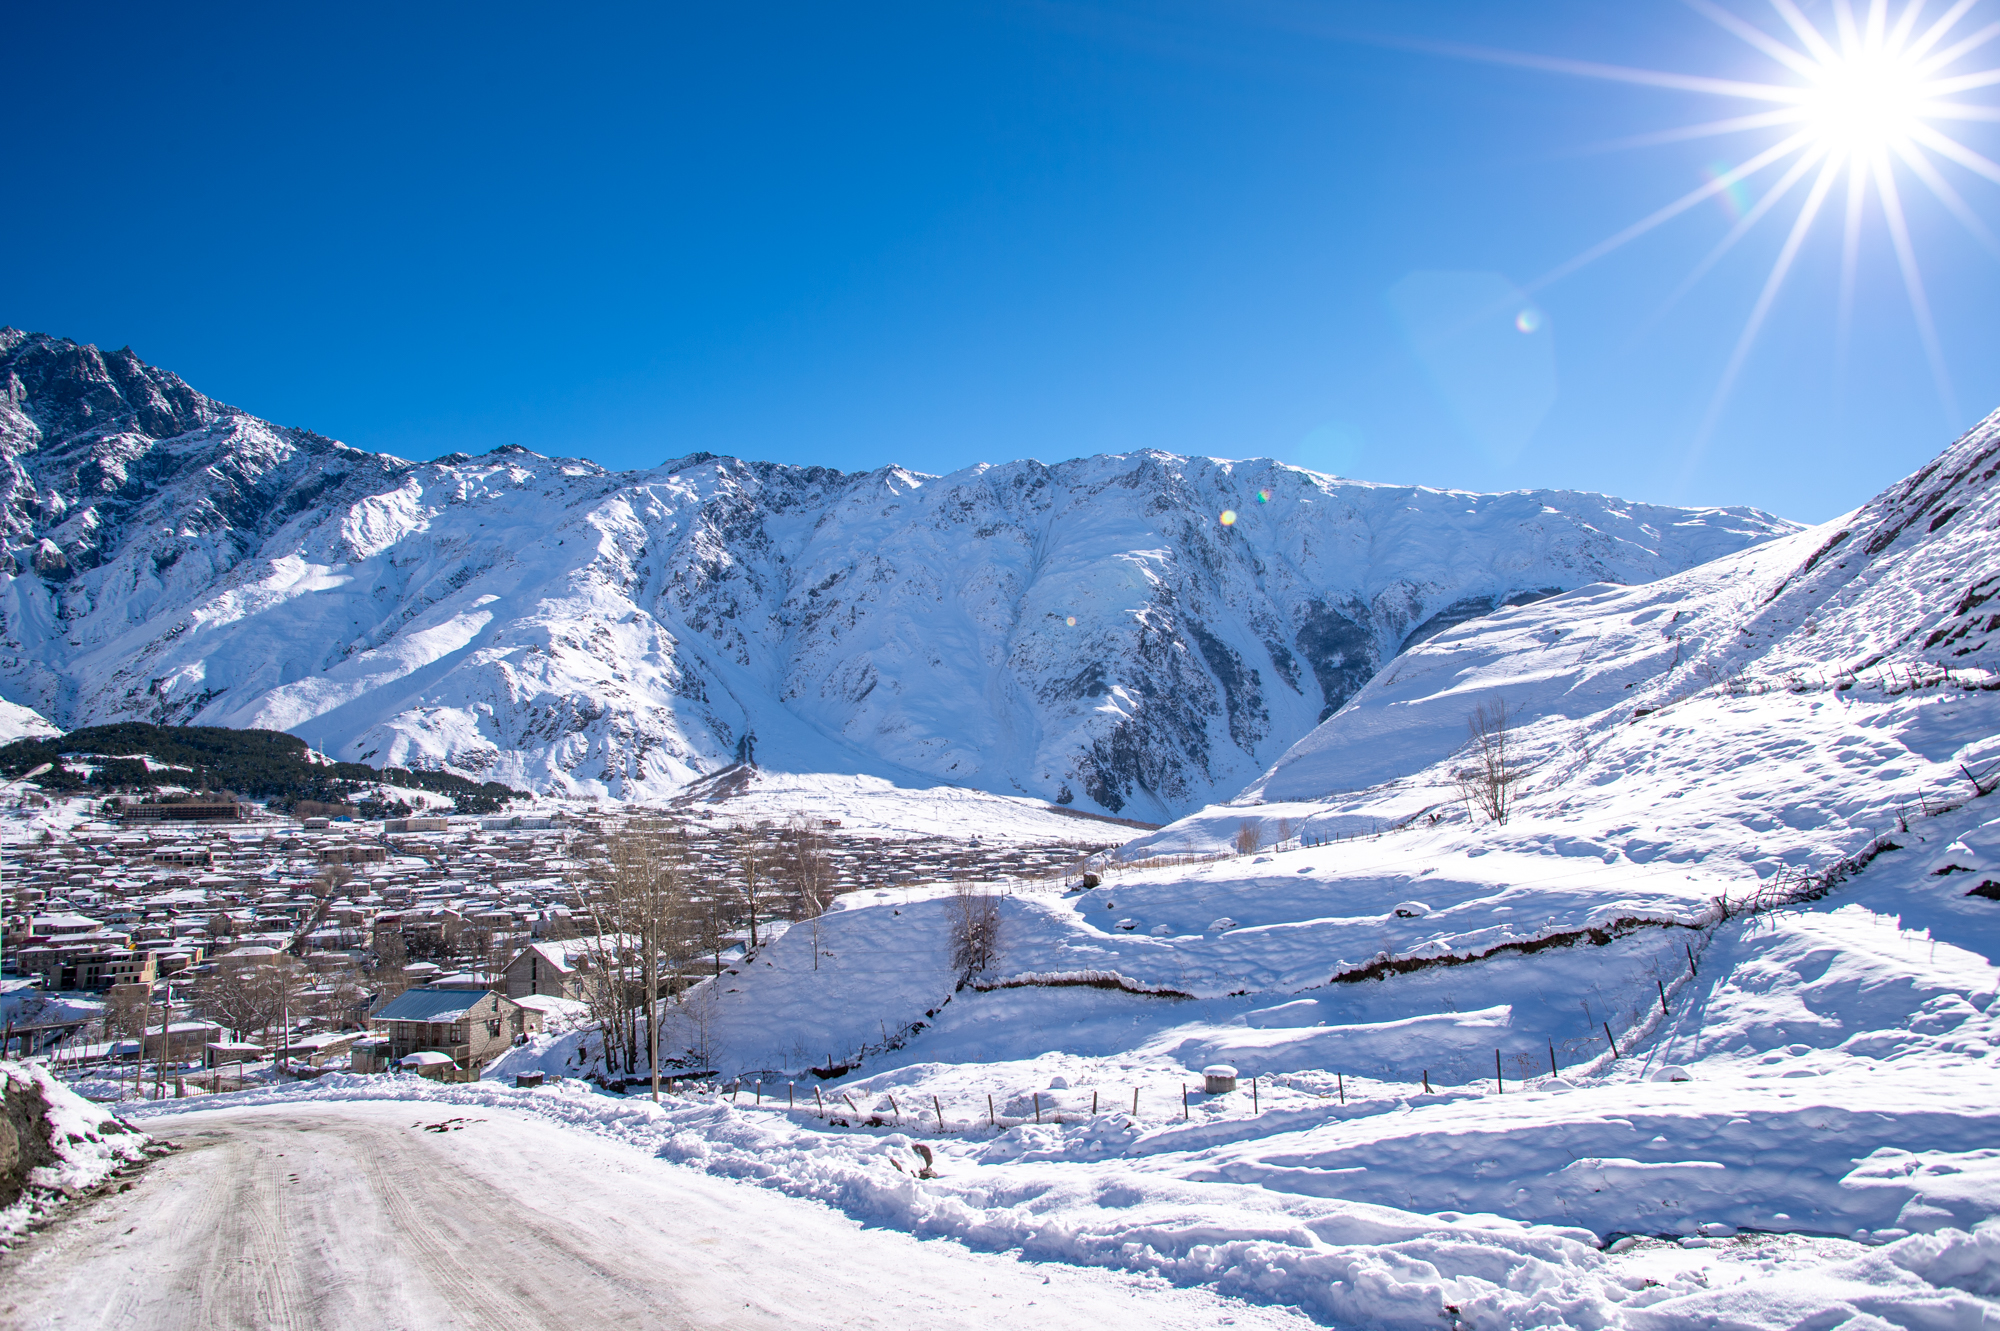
{"points": [[355, 1214]]}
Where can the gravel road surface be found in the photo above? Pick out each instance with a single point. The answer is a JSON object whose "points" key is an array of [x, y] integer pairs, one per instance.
{"points": [[413, 1215]]}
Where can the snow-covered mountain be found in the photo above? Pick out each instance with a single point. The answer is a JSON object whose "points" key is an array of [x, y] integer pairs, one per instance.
{"points": [[1089, 633], [1862, 653]]}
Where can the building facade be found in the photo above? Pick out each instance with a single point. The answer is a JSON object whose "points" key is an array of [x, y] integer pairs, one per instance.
{"points": [[471, 1027]]}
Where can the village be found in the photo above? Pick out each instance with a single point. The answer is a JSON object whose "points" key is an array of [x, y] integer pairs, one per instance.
{"points": [[200, 943]]}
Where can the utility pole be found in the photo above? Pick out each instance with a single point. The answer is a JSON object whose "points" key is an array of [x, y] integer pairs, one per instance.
{"points": [[166, 1019]]}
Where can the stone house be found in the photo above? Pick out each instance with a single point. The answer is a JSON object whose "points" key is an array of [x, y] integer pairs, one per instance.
{"points": [[542, 968], [353, 855], [471, 1027]]}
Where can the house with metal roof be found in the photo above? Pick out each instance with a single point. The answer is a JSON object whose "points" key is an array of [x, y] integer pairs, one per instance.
{"points": [[469, 1026]]}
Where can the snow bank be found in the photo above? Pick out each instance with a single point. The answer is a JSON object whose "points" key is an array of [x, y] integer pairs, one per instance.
{"points": [[1033, 1190], [54, 1146]]}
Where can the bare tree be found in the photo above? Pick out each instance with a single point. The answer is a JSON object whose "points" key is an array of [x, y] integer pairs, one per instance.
{"points": [[753, 874], [807, 867], [125, 1009], [385, 974], [424, 944], [1488, 785], [606, 994], [975, 930], [476, 943], [1248, 839], [248, 998], [641, 915], [339, 1002]]}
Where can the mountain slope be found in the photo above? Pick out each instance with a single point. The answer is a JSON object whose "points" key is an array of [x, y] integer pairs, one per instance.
{"points": [[1087, 633], [1864, 648]]}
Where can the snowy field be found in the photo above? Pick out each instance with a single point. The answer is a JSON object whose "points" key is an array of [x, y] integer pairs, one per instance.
{"points": [[869, 805], [1811, 1133]]}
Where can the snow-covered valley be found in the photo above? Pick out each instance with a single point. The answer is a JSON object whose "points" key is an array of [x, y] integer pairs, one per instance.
{"points": [[1701, 1033]]}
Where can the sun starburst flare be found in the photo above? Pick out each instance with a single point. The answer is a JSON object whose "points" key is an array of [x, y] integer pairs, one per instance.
{"points": [[1858, 106]]}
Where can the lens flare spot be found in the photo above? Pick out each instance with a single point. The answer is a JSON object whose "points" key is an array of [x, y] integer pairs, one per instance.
{"points": [[1071, 621], [1734, 196], [1228, 517], [1528, 320], [1263, 496]]}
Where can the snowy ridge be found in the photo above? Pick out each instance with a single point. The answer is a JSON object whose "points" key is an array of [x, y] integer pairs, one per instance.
{"points": [[1087, 634]]}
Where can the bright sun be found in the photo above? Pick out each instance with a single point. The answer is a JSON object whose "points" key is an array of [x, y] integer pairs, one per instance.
{"points": [[1866, 99], [1860, 105]]}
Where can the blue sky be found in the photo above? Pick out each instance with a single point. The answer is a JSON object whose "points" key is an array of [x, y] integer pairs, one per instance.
{"points": [[942, 234]]}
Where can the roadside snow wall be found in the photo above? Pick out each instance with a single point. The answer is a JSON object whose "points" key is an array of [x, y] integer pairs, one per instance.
{"points": [[54, 1146]]}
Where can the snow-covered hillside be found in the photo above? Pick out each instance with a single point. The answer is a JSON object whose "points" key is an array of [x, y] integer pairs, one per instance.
{"points": [[1089, 633], [1777, 707]]}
